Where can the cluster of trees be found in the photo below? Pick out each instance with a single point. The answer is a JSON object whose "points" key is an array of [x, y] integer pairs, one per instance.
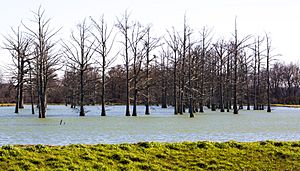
{"points": [[183, 69]]}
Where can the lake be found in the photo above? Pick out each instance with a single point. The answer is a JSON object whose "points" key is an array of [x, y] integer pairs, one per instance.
{"points": [[282, 124]]}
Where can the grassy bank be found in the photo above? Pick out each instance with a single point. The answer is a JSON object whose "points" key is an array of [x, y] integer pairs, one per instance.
{"points": [[267, 155], [7, 104], [286, 105]]}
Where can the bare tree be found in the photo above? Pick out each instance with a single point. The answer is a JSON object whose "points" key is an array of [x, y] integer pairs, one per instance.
{"points": [[220, 49], [238, 46], [150, 45], [269, 59], [19, 46], [31, 88], [46, 59], [164, 65], [104, 44], [123, 26], [257, 67], [182, 74], [79, 54], [205, 46], [190, 76], [173, 43], [135, 40]]}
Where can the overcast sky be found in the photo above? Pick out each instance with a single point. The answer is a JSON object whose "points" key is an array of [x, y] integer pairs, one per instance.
{"points": [[280, 18]]}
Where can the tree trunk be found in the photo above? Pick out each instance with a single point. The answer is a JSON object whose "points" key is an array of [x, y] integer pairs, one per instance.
{"points": [[221, 84], [127, 113], [191, 110], [134, 110], [175, 85], [147, 110], [17, 98], [81, 113], [235, 110], [103, 113], [254, 79], [268, 74], [21, 77], [31, 90]]}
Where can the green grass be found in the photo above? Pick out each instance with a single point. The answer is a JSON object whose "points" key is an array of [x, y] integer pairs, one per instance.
{"points": [[286, 105], [6, 104], [267, 155]]}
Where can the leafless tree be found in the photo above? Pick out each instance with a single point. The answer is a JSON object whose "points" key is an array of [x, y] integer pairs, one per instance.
{"points": [[190, 76], [19, 47], [137, 49], [257, 67], [79, 54], [220, 49], [204, 49], [173, 43], [269, 59], [46, 59], [104, 45], [238, 46], [150, 44], [164, 68], [123, 26]]}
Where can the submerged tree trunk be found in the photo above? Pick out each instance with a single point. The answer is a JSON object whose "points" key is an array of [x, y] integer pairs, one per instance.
{"points": [[81, 112], [31, 90], [268, 75], [103, 113], [191, 109], [134, 110], [18, 89], [21, 83], [235, 79], [175, 85], [164, 85], [147, 110]]}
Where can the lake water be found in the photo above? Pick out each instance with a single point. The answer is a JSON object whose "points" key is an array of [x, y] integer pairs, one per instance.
{"points": [[282, 124]]}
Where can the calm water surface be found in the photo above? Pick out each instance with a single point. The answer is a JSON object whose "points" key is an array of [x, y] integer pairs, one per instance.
{"points": [[24, 128]]}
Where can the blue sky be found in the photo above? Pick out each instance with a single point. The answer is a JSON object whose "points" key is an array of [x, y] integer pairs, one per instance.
{"points": [[280, 18]]}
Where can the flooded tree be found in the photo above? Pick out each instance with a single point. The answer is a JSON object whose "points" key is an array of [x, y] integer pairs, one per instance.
{"points": [[123, 26], [19, 47], [237, 48], [46, 59], [104, 44], [164, 76], [150, 43], [135, 44], [205, 43], [173, 43], [79, 54], [220, 50]]}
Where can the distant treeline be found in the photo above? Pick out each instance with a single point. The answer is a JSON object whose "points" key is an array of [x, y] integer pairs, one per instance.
{"points": [[185, 69]]}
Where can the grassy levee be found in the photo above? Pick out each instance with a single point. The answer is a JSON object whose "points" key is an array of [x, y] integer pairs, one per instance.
{"points": [[7, 104], [267, 155], [286, 105]]}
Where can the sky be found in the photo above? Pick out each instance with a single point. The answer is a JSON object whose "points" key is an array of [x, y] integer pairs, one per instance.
{"points": [[279, 18]]}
